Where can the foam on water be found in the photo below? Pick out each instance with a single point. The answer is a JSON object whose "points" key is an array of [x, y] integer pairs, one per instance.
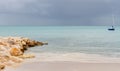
{"points": [[74, 57]]}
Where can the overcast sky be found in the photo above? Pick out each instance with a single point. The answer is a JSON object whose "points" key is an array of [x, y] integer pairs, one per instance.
{"points": [[59, 12]]}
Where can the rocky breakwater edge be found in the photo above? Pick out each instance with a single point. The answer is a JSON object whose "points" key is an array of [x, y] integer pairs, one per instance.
{"points": [[12, 50]]}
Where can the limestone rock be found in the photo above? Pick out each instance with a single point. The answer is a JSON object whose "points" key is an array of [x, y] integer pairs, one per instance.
{"points": [[12, 49], [2, 67], [15, 51], [27, 56]]}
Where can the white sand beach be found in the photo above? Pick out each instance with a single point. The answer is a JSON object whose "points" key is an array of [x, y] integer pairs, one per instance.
{"points": [[66, 66], [68, 62]]}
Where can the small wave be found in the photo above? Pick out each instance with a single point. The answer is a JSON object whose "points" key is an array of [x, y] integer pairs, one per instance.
{"points": [[75, 57]]}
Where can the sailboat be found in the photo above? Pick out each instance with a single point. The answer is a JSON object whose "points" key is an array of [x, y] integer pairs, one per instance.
{"points": [[112, 28]]}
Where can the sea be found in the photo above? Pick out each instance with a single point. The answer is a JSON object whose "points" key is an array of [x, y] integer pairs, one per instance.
{"points": [[70, 39]]}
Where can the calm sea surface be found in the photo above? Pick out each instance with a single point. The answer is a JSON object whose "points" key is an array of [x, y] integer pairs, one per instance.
{"points": [[70, 39]]}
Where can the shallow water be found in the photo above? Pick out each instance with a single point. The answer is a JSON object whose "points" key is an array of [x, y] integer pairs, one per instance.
{"points": [[70, 39]]}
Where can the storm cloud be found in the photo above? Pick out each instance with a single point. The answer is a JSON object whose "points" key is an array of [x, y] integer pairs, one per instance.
{"points": [[59, 12]]}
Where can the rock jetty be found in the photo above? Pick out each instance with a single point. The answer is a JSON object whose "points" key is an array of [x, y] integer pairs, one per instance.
{"points": [[12, 50]]}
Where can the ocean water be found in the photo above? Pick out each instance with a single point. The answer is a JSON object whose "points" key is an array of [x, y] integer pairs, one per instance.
{"points": [[70, 39]]}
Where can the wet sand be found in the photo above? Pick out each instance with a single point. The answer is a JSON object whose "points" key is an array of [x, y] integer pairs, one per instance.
{"points": [[66, 66]]}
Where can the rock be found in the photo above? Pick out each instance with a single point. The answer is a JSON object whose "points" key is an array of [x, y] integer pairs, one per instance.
{"points": [[15, 51], [12, 50], [2, 67], [15, 59], [27, 56], [4, 58], [31, 43]]}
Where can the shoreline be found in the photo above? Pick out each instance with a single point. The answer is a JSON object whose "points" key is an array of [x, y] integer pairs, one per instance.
{"points": [[72, 57], [67, 62], [66, 66], [17, 60]]}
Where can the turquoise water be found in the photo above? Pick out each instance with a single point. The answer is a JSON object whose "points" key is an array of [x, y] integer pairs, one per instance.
{"points": [[81, 39]]}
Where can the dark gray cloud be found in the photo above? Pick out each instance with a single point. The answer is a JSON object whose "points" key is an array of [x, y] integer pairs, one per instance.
{"points": [[59, 12]]}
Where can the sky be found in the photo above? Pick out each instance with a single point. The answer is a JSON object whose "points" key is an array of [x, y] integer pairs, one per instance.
{"points": [[60, 12]]}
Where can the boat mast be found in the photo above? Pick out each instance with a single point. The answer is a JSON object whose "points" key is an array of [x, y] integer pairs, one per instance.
{"points": [[113, 19]]}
